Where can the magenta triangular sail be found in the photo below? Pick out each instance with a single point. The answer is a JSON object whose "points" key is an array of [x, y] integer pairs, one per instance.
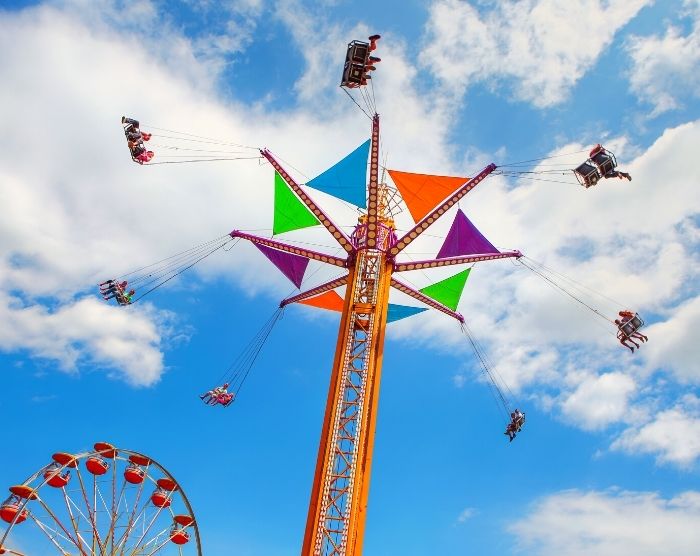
{"points": [[292, 266], [464, 239]]}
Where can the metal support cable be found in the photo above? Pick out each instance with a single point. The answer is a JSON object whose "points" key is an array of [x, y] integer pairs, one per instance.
{"points": [[553, 283]]}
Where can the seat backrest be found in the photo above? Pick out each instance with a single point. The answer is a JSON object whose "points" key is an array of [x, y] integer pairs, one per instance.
{"points": [[357, 52], [604, 162], [586, 169], [587, 174]]}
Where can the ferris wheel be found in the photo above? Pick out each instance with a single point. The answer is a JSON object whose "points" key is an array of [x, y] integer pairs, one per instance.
{"points": [[107, 502]]}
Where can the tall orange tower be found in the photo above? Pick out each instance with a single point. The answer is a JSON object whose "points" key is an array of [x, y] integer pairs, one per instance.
{"points": [[338, 508], [336, 518], [335, 523]]}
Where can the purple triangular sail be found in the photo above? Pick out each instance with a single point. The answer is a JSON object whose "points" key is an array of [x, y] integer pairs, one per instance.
{"points": [[292, 266], [464, 239]]}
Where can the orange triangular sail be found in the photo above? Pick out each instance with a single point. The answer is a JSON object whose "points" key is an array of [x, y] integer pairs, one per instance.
{"points": [[423, 192], [328, 300]]}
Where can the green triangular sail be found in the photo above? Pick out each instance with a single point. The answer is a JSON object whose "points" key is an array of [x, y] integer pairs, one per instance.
{"points": [[290, 212], [449, 290]]}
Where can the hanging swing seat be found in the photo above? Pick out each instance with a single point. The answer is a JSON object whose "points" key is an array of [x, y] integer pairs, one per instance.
{"points": [[630, 326], [356, 60], [587, 174], [225, 399], [604, 160], [358, 63]]}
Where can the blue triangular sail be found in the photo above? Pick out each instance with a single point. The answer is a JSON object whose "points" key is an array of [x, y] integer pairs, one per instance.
{"points": [[347, 179], [398, 312]]}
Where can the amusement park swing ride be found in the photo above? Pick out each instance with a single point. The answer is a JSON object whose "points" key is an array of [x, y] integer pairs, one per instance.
{"points": [[370, 267]]}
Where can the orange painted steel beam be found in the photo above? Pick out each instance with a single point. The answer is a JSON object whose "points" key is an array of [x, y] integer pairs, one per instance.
{"points": [[448, 261], [313, 516], [308, 253], [448, 203], [372, 187], [330, 285], [336, 232], [358, 513], [337, 512]]}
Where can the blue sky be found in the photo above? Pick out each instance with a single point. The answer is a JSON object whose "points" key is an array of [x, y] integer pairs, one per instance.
{"points": [[608, 461]]}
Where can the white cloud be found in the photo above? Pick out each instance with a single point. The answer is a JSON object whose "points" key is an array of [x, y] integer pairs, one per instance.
{"points": [[576, 523], [672, 435], [125, 343], [459, 379], [665, 68], [466, 514], [675, 345], [545, 46], [239, 24], [599, 400]]}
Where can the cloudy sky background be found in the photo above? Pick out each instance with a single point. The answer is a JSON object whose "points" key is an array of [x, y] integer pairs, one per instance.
{"points": [[608, 463]]}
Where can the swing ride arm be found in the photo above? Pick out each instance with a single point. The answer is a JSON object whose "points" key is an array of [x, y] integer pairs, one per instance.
{"points": [[331, 285], [308, 253], [415, 294], [448, 203], [448, 261], [322, 217]]}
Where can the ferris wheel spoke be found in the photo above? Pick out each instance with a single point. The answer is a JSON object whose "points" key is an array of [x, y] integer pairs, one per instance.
{"points": [[100, 497], [44, 527], [162, 544], [80, 512], [50, 534], [76, 541], [116, 503], [132, 525], [140, 517], [95, 492], [132, 519], [143, 535], [91, 513], [68, 501], [107, 508], [116, 512]]}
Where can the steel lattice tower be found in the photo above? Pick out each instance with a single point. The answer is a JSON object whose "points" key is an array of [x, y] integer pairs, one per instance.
{"points": [[338, 507]]}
